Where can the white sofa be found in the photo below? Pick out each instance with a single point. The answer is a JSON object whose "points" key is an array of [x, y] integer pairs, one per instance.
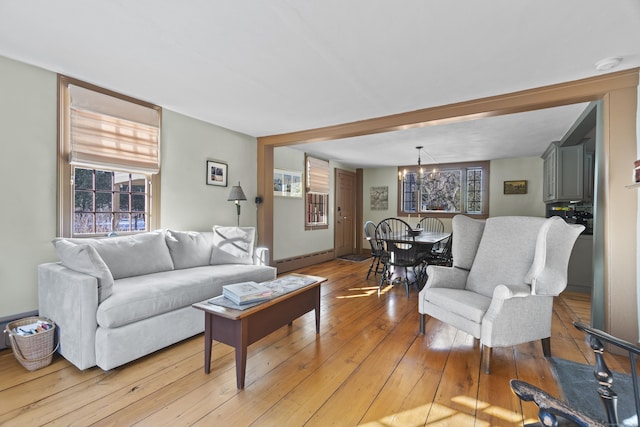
{"points": [[119, 298]]}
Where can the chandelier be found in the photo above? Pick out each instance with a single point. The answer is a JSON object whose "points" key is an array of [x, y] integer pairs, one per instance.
{"points": [[422, 176]]}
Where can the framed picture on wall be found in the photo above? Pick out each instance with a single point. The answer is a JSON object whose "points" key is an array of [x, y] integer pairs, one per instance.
{"points": [[515, 187], [216, 173], [379, 198], [287, 183]]}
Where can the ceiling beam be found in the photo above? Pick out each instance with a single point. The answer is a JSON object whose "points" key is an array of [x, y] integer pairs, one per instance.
{"points": [[585, 90]]}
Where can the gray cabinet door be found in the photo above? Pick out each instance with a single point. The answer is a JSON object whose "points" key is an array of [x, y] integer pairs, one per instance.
{"points": [[571, 172], [563, 173]]}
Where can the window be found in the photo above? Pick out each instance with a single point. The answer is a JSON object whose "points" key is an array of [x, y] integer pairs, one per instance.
{"points": [[109, 161], [317, 194], [451, 189], [106, 201]]}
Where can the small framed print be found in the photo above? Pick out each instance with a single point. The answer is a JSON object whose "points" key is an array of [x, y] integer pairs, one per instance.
{"points": [[515, 187], [287, 183], [216, 173]]}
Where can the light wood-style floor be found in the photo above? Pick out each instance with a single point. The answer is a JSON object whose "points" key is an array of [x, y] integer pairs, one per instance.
{"points": [[369, 366]]}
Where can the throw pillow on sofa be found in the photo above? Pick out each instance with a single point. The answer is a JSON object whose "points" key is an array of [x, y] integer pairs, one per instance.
{"points": [[135, 255], [189, 248], [85, 259], [232, 245]]}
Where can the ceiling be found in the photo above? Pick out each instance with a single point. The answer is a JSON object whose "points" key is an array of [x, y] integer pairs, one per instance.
{"points": [[270, 67]]}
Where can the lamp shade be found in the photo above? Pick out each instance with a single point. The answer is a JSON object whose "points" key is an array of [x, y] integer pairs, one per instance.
{"points": [[236, 193]]}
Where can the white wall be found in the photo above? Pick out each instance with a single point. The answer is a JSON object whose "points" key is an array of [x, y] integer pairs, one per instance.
{"points": [[289, 235], [187, 202], [524, 168], [28, 171], [28, 108]]}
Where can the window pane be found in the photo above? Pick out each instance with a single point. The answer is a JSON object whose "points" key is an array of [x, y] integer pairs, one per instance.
{"points": [[138, 183], [104, 180], [104, 202], [83, 223], [474, 191], [83, 201], [124, 202], [138, 222], [123, 222], [104, 222], [409, 195], [138, 203], [83, 179]]}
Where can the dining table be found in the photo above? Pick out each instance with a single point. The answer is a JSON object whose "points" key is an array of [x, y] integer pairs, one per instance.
{"points": [[425, 240], [421, 237]]}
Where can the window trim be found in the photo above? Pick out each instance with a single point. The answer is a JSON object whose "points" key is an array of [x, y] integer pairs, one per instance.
{"points": [[64, 198], [484, 165]]}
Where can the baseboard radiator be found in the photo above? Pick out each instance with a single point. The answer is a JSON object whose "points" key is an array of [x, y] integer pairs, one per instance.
{"points": [[289, 264], [8, 319]]}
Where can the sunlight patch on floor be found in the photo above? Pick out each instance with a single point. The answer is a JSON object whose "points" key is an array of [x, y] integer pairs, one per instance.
{"points": [[441, 415], [366, 292]]}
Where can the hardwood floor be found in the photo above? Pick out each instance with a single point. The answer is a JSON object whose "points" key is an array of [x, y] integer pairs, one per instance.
{"points": [[369, 366]]}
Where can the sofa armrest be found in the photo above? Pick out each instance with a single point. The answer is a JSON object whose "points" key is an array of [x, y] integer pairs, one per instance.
{"points": [[261, 256], [70, 299]]}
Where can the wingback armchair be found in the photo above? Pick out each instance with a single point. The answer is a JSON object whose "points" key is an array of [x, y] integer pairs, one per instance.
{"points": [[505, 273]]}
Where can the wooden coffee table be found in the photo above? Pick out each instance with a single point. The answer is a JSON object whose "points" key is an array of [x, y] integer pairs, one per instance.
{"points": [[241, 328]]}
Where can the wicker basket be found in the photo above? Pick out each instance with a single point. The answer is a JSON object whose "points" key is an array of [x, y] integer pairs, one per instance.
{"points": [[32, 351]]}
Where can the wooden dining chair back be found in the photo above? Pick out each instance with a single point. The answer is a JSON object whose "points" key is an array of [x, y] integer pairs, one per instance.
{"points": [[430, 223], [376, 248], [400, 251]]}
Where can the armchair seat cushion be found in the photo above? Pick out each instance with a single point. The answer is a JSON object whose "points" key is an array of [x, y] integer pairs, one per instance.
{"points": [[466, 304]]}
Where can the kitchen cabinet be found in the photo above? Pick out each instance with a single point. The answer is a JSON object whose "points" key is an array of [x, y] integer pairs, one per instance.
{"points": [[563, 173]]}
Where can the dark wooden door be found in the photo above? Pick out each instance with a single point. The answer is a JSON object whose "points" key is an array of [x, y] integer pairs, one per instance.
{"points": [[344, 212]]}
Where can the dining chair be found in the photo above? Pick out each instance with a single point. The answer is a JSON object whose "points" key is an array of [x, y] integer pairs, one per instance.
{"points": [[400, 252], [376, 248], [430, 223], [444, 255]]}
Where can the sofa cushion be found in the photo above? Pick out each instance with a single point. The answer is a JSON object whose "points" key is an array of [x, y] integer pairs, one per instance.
{"points": [[134, 255], [85, 259], [189, 248], [232, 245], [137, 298], [505, 253]]}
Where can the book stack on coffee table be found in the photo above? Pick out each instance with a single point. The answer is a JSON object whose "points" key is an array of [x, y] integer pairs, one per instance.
{"points": [[246, 293]]}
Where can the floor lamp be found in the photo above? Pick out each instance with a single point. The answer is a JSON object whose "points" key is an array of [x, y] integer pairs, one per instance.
{"points": [[236, 196]]}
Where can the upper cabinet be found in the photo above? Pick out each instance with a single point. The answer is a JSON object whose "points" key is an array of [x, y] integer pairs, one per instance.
{"points": [[563, 174], [569, 163]]}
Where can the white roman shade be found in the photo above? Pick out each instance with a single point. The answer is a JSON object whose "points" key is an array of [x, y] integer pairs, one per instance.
{"points": [[112, 133], [317, 175]]}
